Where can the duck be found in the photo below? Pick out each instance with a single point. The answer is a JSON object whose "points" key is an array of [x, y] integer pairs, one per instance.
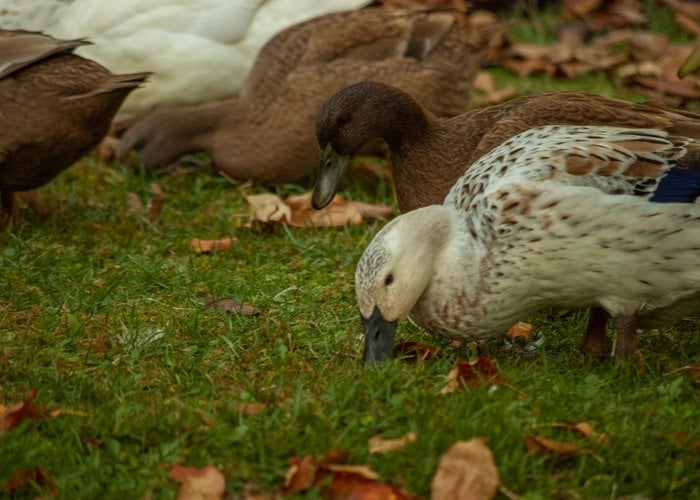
{"points": [[527, 226], [428, 153], [198, 50], [267, 134], [56, 107]]}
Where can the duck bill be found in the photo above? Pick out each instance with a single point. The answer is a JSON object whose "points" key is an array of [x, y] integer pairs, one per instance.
{"points": [[330, 172], [379, 337]]}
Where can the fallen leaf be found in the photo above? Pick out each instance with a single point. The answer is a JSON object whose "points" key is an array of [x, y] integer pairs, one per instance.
{"points": [[300, 475], [520, 329], [268, 207], [483, 82], [25, 477], [297, 211], [210, 246], [12, 415], [251, 408], [583, 428], [413, 351], [229, 305], [482, 371], [133, 203], [379, 444], [683, 439], [693, 369], [156, 206], [350, 486], [348, 481], [205, 483], [541, 446], [466, 470]]}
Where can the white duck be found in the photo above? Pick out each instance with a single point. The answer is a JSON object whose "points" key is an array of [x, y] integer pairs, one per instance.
{"points": [[532, 225], [197, 50]]}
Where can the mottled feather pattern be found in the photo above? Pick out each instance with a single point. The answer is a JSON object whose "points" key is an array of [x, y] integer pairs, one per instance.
{"points": [[525, 232], [614, 160]]}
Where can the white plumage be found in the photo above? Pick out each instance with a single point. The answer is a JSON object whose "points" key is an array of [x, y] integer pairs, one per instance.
{"points": [[198, 50], [556, 216]]}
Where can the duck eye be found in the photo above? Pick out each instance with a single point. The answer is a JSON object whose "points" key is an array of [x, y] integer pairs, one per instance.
{"points": [[343, 120], [140, 144], [389, 279]]}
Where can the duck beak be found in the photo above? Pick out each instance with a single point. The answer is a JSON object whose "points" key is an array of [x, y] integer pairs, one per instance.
{"points": [[330, 172], [379, 336]]}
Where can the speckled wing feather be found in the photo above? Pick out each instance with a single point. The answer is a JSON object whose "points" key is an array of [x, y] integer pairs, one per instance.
{"points": [[561, 236], [19, 49], [649, 163]]}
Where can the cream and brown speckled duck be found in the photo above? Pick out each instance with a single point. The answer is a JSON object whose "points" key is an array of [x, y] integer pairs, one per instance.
{"points": [[267, 135], [55, 107], [428, 154], [563, 216]]}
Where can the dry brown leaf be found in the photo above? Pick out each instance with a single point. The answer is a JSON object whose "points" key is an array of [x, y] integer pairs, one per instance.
{"points": [[206, 483], [350, 486], [687, 8], [583, 428], [520, 329], [157, 201], [26, 477], [684, 439], [251, 408], [414, 351], [12, 415], [267, 208], [484, 83], [229, 305], [364, 471], [543, 446], [300, 475], [580, 8], [693, 369], [482, 371], [133, 203], [298, 212], [466, 470], [379, 444], [210, 246]]}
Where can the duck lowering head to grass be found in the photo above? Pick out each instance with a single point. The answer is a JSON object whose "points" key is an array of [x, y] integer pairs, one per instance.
{"points": [[266, 135], [428, 153], [535, 223], [55, 107]]}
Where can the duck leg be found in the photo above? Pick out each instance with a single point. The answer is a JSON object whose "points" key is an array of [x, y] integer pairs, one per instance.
{"points": [[595, 341], [8, 214], [626, 345]]}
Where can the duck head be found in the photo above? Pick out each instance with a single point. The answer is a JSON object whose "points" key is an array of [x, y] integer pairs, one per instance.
{"points": [[394, 272], [347, 121]]}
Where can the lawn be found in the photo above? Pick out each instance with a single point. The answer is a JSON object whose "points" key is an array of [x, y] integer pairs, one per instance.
{"points": [[102, 312]]}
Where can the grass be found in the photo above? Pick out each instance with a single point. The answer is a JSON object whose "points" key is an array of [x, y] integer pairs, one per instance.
{"points": [[102, 311]]}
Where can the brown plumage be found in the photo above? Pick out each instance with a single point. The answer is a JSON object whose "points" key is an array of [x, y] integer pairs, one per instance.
{"points": [[428, 154], [267, 134], [55, 107]]}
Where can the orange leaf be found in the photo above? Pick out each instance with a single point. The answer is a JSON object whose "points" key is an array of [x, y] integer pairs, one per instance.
{"points": [[540, 446], [583, 428], [25, 477], [481, 371], [413, 351], [206, 483], [297, 211], [251, 408], [300, 475], [11, 416], [209, 246], [520, 329], [379, 444], [466, 470], [351, 486]]}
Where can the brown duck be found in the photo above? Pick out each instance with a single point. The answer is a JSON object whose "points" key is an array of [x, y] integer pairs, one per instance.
{"points": [[267, 134], [55, 107], [428, 154]]}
